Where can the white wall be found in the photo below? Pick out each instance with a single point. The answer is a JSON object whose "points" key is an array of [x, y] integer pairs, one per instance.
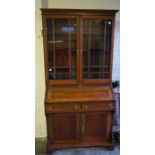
{"points": [[116, 55], [40, 125]]}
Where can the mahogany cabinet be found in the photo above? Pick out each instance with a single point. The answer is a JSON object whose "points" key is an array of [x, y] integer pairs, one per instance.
{"points": [[78, 51]]}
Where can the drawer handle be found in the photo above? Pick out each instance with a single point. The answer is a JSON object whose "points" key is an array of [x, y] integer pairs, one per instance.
{"points": [[82, 128], [111, 106], [76, 107], [86, 107], [50, 108]]}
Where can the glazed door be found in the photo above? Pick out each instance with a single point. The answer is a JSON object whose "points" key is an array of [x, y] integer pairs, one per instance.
{"points": [[95, 127], [96, 48], [62, 45], [63, 128]]}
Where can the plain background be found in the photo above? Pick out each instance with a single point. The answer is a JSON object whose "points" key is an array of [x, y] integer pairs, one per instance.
{"points": [[17, 78]]}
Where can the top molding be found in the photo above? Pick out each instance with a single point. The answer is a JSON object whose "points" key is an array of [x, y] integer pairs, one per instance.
{"points": [[46, 11]]}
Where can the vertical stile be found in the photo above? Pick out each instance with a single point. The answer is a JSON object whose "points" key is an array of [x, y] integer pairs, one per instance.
{"points": [[89, 46], [54, 63], [104, 46], [69, 42], [80, 45]]}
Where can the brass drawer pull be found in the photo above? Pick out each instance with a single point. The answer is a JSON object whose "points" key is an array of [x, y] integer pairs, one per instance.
{"points": [[86, 107], [76, 107], [82, 128], [112, 106], [50, 108]]}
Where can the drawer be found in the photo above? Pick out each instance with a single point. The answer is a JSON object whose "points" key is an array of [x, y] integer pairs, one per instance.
{"points": [[98, 106], [61, 108]]}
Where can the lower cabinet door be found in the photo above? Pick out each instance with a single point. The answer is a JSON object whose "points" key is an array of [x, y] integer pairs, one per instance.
{"points": [[96, 127], [63, 128]]}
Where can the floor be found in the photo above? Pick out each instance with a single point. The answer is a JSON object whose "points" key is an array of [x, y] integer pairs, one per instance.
{"points": [[40, 145]]}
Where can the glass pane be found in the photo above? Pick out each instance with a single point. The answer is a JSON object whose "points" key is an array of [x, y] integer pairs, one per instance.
{"points": [[62, 45], [96, 48]]}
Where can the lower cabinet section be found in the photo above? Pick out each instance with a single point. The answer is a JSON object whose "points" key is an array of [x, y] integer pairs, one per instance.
{"points": [[79, 128]]}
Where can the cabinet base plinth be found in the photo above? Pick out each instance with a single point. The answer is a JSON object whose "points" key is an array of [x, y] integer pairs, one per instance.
{"points": [[54, 147]]}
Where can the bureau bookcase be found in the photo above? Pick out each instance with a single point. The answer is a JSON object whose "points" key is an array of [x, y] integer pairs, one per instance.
{"points": [[78, 51]]}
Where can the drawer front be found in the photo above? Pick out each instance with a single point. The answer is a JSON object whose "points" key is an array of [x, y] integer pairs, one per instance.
{"points": [[98, 106], [61, 108]]}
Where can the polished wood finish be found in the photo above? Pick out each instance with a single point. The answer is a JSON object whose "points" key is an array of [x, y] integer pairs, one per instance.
{"points": [[63, 127], [79, 111], [83, 12], [78, 94], [94, 127]]}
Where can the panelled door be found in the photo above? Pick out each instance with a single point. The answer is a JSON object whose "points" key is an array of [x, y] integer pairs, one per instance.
{"points": [[96, 127], [93, 127], [63, 128], [96, 47]]}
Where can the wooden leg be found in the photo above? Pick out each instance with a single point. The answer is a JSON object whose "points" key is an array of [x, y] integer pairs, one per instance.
{"points": [[48, 152], [110, 148], [48, 149]]}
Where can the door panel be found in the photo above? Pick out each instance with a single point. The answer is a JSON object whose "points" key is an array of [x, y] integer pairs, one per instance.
{"points": [[62, 48], [96, 48], [63, 128], [94, 127]]}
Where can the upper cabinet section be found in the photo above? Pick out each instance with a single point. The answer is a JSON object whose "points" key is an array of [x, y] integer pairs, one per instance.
{"points": [[78, 45]]}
